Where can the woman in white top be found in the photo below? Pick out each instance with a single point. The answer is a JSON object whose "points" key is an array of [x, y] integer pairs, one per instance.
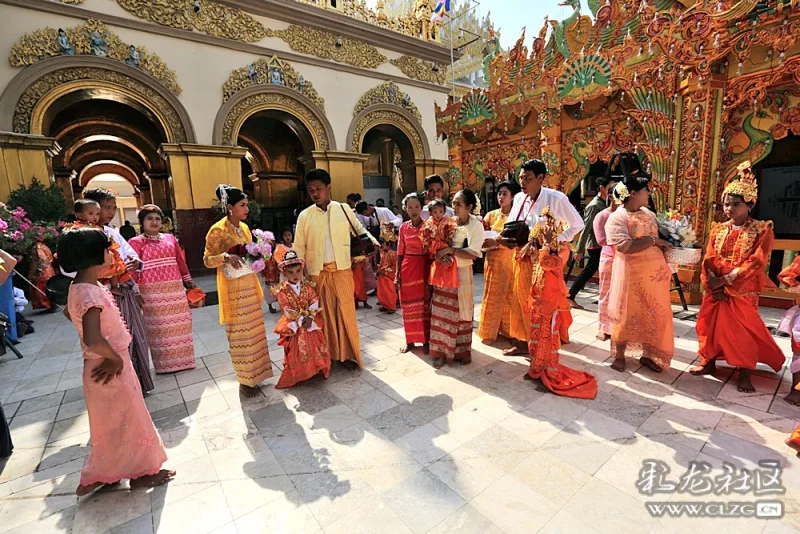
{"points": [[451, 331]]}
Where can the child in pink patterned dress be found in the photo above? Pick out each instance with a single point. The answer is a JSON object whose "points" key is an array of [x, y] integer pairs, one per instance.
{"points": [[124, 441]]}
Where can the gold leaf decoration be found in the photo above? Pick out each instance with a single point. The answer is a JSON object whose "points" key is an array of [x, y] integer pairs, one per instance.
{"points": [[263, 72], [372, 118], [297, 108], [418, 69], [41, 44], [208, 17], [387, 93], [322, 44], [36, 91]]}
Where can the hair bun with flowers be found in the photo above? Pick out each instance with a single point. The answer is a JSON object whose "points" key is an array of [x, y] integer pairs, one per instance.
{"points": [[620, 192], [476, 211], [745, 185]]}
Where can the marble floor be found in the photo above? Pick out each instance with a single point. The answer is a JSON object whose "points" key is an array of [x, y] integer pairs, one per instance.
{"points": [[397, 446]]}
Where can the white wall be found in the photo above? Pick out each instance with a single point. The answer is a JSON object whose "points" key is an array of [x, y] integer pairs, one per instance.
{"points": [[202, 69]]}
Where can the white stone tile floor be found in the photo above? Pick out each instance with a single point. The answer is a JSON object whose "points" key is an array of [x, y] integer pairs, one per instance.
{"points": [[397, 446]]}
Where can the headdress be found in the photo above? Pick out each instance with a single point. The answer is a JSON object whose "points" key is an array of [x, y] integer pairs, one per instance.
{"points": [[476, 211], [745, 186], [387, 232], [227, 194], [287, 257], [547, 223], [620, 193]]}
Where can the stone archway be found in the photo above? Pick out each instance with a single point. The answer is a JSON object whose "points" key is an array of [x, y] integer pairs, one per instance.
{"points": [[99, 110], [388, 114], [246, 103]]}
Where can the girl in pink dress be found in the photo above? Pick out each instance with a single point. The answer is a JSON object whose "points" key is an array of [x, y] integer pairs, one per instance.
{"points": [[124, 441], [163, 283], [606, 260]]}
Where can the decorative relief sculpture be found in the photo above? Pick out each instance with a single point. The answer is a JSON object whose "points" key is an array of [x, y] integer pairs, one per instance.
{"points": [[387, 93], [329, 46], [201, 15], [418, 69], [36, 91], [280, 101], [271, 71], [92, 38], [374, 118]]}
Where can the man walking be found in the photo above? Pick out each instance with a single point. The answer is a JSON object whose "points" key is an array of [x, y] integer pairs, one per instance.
{"points": [[587, 244]]}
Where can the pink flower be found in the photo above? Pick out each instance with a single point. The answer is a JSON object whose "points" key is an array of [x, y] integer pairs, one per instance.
{"points": [[62, 224], [3, 225], [25, 226], [258, 265], [16, 236]]}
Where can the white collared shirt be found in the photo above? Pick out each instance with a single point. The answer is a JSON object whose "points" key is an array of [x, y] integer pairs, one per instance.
{"points": [[560, 206], [385, 215]]}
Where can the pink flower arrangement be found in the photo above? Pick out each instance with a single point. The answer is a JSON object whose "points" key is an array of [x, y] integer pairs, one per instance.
{"points": [[18, 234], [260, 250]]}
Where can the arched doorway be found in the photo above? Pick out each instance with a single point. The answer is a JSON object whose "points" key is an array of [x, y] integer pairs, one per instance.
{"points": [[103, 133], [390, 171], [279, 150]]}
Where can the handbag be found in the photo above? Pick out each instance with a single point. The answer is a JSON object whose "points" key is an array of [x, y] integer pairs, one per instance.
{"points": [[232, 273], [360, 244], [517, 230]]}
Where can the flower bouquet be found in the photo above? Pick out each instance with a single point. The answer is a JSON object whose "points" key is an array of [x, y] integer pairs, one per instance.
{"points": [[254, 255], [677, 230]]}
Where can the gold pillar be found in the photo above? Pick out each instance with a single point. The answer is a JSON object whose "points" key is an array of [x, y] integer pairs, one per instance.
{"points": [[24, 157], [426, 167], [160, 190], [197, 170], [346, 170], [64, 178]]}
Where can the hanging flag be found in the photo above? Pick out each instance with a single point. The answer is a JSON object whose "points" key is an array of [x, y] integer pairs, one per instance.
{"points": [[442, 7]]}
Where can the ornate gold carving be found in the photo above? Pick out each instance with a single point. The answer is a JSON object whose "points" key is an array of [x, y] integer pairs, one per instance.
{"points": [[211, 18], [41, 44], [278, 101], [375, 118], [263, 72], [323, 45], [420, 70], [387, 93], [40, 88], [416, 22], [71, 1]]}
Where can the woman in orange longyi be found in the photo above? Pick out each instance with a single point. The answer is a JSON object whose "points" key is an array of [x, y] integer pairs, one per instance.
{"points": [[300, 326], [548, 301], [728, 326]]}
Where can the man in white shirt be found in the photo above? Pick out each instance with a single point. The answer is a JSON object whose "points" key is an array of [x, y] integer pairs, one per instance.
{"points": [[434, 190], [528, 206], [375, 215]]}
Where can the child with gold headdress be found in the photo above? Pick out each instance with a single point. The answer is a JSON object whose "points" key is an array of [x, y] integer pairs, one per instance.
{"points": [[387, 291], [728, 326], [300, 326], [549, 303]]}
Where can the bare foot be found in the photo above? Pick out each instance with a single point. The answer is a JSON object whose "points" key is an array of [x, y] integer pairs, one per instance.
{"points": [[151, 481], [514, 350], [86, 490], [367, 306], [438, 363], [793, 397], [574, 305], [249, 391], [390, 312], [708, 369], [650, 364], [466, 361], [745, 385], [618, 365], [271, 309], [602, 337], [382, 309], [793, 445], [405, 348], [426, 348]]}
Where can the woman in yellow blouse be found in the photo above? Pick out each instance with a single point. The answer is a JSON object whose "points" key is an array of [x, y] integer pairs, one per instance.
{"points": [[239, 298], [498, 270]]}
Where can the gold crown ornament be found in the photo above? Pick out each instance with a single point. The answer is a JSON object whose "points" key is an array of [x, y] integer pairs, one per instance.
{"points": [[547, 223], [745, 185], [387, 232]]}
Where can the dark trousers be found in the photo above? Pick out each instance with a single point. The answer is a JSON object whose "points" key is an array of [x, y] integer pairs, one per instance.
{"points": [[591, 268]]}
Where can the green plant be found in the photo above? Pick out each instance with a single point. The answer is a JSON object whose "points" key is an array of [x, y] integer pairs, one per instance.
{"points": [[18, 234], [41, 204]]}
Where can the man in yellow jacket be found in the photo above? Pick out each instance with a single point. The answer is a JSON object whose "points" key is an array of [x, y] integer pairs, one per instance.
{"points": [[322, 239]]}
